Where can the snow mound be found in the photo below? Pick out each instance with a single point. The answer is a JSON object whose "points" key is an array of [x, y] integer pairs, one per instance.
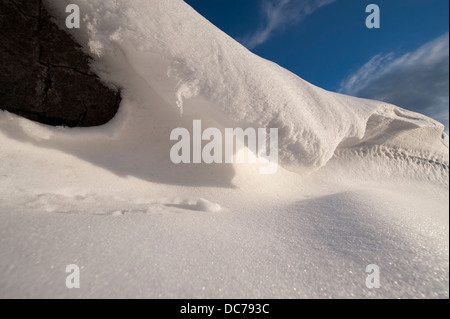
{"points": [[198, 70], [207, 206]]}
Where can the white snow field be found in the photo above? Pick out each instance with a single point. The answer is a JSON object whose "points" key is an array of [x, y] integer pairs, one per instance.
{"points": [[360, 182]]}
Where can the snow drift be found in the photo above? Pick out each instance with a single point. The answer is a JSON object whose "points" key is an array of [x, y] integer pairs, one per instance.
{"points": [[197, 68], [362, 181]]}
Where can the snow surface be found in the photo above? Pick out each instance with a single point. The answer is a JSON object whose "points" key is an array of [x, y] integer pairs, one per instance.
{"points": [[361, 182]]}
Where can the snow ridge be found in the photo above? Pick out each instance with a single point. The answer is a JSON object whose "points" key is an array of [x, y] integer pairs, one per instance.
{"points": [[207, 74]]}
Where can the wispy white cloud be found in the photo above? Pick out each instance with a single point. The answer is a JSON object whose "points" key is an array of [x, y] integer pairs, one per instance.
{"points": [[277, 14], [418, 80]]}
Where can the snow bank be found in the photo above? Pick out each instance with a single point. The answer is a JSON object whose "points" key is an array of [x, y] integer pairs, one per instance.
{"points": [[202, 72]]}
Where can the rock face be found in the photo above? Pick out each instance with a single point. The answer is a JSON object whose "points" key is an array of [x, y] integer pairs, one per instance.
{"points": [[44, 75]]}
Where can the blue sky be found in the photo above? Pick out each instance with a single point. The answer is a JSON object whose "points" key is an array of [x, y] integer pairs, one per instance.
{"points": [[327, 43]]}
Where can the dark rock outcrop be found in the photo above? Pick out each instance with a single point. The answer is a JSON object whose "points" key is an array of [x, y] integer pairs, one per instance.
{"points": [[44, 75]]}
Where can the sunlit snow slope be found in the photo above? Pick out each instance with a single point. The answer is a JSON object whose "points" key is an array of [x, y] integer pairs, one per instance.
{"points": [[361, 182]]}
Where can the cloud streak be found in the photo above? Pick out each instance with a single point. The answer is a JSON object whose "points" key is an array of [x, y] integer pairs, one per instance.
{"points": [[417, 80], [278, 14]]}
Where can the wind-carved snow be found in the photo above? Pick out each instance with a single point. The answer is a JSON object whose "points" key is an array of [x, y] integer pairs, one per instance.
{"points": [[361, 182], [185, 59]]}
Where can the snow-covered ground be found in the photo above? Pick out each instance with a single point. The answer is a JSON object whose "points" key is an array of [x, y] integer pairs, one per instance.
{"points": [[360, 182]]}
